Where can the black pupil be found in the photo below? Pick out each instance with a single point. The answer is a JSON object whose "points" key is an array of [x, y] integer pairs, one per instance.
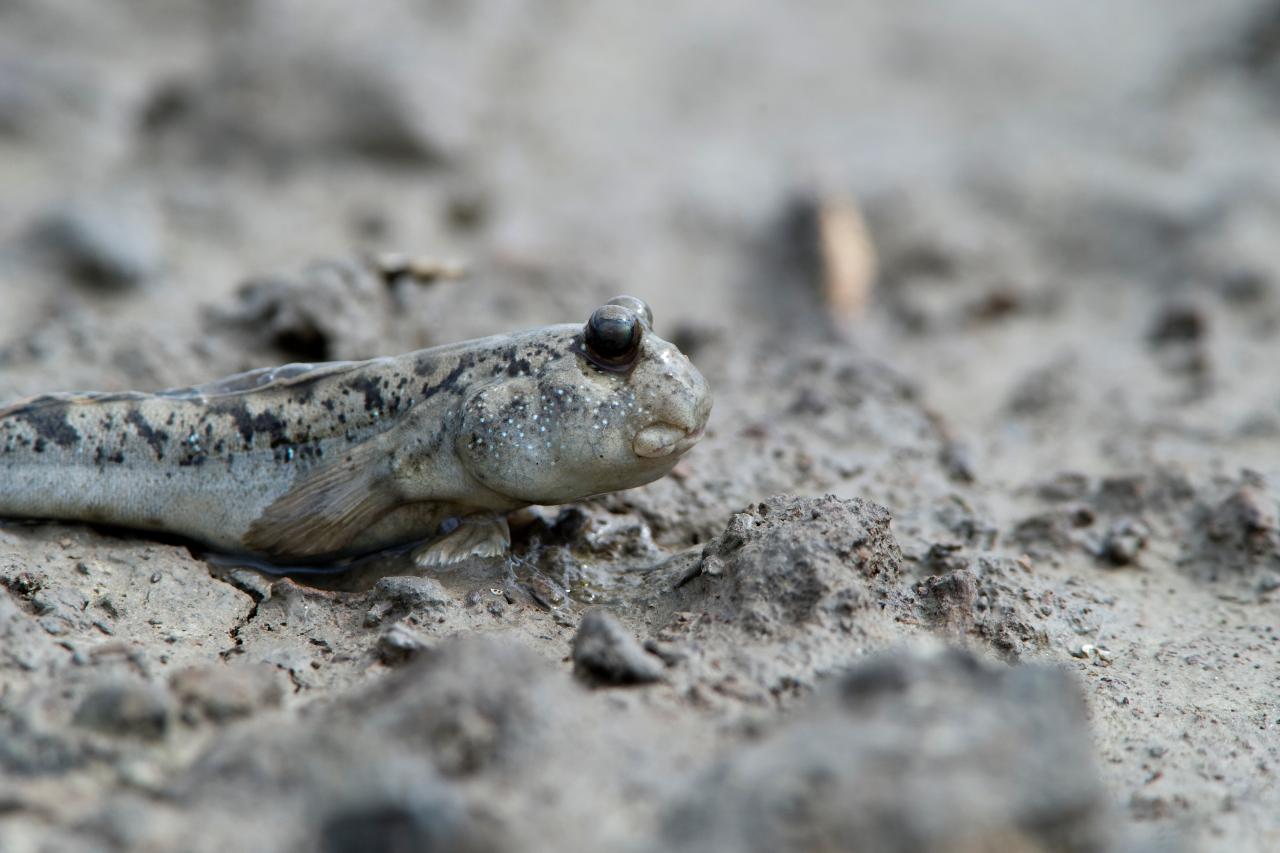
{"points": [[611, 331]]}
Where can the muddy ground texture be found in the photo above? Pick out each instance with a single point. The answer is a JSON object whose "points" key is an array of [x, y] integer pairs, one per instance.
{"points": [[993, 567]]}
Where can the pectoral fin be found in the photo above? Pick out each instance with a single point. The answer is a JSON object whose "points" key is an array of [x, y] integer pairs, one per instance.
{"points": [[324, 512], [480, 535]]}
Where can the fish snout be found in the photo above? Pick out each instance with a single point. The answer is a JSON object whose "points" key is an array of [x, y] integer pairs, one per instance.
{"points": [[661, 439], [681, 424]]}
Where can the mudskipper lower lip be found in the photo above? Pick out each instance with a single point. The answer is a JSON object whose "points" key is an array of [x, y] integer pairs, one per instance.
{"points": [[658, 440]]}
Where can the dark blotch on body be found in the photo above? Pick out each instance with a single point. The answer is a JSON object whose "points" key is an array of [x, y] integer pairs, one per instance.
{"points": [[370, 387], [49, 420], [250, 425], [424, 365], [157, 438], [450, 382]]}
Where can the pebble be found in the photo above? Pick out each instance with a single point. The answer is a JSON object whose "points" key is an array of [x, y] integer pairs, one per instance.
{"points": [[219, 693], [413, 592], [605, 653], [1124, 541], [103, 242], [1086, 650], [413, 823], [399, 643], [546, 592], [125, 708], [400, 594]]}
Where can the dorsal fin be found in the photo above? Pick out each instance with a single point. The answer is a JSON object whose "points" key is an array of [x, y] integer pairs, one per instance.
{"points": [[263, 378], [38, 402], [268, 378]]}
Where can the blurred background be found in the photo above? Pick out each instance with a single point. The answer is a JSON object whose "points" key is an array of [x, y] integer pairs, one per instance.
{"points": [[964, 259]]}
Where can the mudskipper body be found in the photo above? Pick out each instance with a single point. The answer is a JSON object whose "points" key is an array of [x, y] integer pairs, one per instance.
{"points": [[309, 462]]}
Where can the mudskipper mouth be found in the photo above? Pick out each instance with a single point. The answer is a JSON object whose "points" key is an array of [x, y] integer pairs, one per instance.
{"points": [[658, 440]]}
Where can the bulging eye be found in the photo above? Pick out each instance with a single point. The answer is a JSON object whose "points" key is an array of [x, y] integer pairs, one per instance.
{"points": [[613, 334], [637, 306]]}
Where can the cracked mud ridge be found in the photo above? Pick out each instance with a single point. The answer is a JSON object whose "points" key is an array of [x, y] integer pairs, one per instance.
{"points": [[981, 548]]}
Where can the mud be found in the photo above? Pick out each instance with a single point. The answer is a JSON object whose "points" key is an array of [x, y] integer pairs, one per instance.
{"points": [[993, 566]]}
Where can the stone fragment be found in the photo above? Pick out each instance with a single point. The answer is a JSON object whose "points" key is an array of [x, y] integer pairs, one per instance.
{"points": [[401, 595], [605, 653], [400, 643], [220, 693], [125, 709], [108, 242]]}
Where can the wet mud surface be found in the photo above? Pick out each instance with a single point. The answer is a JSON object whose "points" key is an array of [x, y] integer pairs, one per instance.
{"points": [[990, 563]]}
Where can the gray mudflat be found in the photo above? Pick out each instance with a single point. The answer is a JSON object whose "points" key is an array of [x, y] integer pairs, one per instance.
{"points": [[994, 566]]}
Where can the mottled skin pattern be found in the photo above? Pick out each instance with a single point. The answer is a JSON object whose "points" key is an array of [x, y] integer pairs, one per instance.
{"points": [[306, 462]]}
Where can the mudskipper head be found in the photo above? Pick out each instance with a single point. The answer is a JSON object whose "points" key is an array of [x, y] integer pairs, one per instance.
{"points": [[590, 408]]}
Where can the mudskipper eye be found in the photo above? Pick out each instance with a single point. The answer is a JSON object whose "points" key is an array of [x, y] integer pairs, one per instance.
{"points": [[613, 334], [637, 306]]}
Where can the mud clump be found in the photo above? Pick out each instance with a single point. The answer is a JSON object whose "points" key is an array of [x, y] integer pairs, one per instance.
{"points": [[791, 588], [792, 561], [397, 596], [964, 756], [1227, 529], [332, 310], [983, 600], [1234, 534]]}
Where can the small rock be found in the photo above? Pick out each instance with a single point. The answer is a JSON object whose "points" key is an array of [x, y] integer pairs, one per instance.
{"points": [[60, 608], [1245, 514], [111, 243], [670, 655], [127, 709], [1084, 651], [546, 592], [416, 593], [1044, 390], [1053, 531], [605, 653], [1123, 541], [256, 584], [387, 827], [1245, 285], [957, 459], [404, 595], [949, 600], [1063, 486], [334, 309], [399, 643], [1179, 323], [219, 693]]}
